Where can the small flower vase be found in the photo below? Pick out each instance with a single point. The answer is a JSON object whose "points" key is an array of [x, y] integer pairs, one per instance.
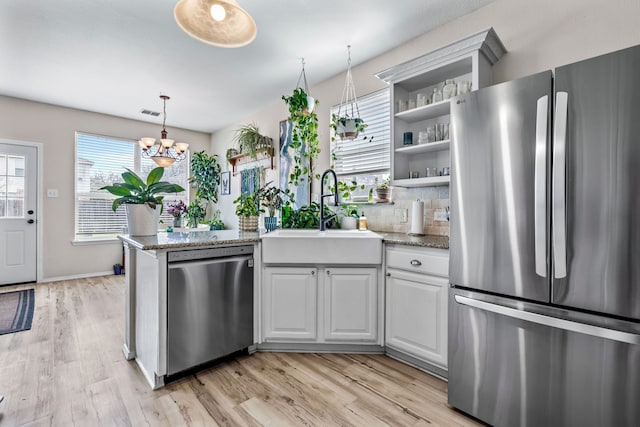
{"points": [[177, 222], [270, 223]]}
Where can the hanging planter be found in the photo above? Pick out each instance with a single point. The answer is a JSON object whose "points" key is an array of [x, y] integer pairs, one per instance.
{"points": [[347, 124]]}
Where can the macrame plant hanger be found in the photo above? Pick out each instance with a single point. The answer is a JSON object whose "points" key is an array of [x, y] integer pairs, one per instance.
{"points": [[303, 78], [349, 100]]}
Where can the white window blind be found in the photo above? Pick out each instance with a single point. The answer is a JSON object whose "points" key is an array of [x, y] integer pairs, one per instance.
{"points": [[100, 161], [357, 157]]}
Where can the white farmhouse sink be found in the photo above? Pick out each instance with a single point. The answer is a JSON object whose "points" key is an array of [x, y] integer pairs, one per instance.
{"points": [[321, 247]]}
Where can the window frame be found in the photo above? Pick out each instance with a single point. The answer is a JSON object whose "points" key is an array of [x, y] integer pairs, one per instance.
{"points": [[137, 161]]}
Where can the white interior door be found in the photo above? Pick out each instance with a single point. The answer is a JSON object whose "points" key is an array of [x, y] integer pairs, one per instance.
{"points": [[18, 235]]}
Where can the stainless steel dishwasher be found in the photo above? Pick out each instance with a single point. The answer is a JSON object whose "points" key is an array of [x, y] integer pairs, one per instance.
{"points": [[209, 305]]}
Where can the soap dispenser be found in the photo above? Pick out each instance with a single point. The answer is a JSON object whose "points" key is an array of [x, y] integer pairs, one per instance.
{"points": [[362, 222]]}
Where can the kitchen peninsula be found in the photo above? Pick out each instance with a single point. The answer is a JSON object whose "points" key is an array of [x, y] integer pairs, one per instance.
{"points": [[151, 261]]}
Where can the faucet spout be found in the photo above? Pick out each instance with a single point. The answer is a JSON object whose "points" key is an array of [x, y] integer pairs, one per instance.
{"points": [[324, 219]]}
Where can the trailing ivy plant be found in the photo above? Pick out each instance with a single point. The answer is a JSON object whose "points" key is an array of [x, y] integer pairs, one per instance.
{"points": [[205, 173], [304, 137]]}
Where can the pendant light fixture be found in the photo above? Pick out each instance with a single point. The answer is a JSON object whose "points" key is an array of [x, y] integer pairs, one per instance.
{"points": [[164, 152], [220, 23]]}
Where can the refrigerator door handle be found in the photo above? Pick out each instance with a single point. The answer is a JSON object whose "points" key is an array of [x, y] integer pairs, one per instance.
{"points": [[540, 187], [554, 322], [559, 201]]}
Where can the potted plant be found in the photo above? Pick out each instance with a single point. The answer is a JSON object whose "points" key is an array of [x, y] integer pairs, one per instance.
{"points": [[383, 190], [141, 200], [251, 141], [348, 217], [215, 223], [205, 173], [195, 214], [304, 136], [117, 269], [248, 210], [348, 128], [231, 152], [272, 199], [176, 210]]}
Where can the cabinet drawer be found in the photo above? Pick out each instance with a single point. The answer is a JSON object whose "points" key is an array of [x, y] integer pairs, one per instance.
{"points": [[423, 260]]}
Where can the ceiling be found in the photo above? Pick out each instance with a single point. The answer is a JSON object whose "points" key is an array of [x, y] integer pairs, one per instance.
{"points": [[117, 56]]}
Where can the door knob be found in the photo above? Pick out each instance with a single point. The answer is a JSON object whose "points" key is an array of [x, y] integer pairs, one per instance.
{"points": [[30, 221]]}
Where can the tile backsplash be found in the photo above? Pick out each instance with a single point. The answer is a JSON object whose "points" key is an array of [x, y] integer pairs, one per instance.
{"points": [[388, 217]]}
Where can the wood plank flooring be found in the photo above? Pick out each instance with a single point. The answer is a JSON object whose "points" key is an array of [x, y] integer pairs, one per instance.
{"points": [[68, 370]]}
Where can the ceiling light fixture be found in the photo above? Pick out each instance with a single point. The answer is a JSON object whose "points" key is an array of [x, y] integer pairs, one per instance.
{"points": [[165, 152], [221, 23]]}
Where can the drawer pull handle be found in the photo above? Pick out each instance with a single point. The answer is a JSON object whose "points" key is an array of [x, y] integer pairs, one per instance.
{"points": [[415, 262]]}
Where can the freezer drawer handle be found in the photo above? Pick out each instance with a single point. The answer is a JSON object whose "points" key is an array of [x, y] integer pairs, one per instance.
{"points": [[540, 187], [416, 263], [554, 322], [559, 204]]}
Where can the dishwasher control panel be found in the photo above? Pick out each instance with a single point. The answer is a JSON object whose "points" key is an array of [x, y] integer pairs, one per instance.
{"points": [[193, 254]]}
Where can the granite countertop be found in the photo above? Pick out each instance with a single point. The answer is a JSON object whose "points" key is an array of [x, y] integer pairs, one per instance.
{"points": [[436, 242], [188, 239]]}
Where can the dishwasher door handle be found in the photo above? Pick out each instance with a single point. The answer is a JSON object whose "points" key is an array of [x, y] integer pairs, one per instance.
{"points": [[209, 261]]}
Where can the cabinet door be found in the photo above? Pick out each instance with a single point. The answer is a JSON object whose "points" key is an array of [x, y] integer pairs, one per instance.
{"points": [[350, 304], [289, 304], [416, 320]]}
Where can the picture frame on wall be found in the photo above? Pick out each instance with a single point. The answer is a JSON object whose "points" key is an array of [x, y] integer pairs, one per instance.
{"points": [[225, 183]]}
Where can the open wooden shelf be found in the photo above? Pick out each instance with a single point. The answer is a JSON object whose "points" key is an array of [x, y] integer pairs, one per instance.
{"points": [[240, 159]]}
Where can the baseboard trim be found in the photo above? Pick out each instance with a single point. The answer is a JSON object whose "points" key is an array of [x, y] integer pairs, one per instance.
{"points": [[417, 363], [76, 276], [319, 348]]}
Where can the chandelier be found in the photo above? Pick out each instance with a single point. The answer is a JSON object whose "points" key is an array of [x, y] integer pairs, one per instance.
{"points": [[220, 23], [164, 152]]}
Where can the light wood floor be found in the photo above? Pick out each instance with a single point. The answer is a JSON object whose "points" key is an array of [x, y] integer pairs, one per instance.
{"points": [[68, 370]]}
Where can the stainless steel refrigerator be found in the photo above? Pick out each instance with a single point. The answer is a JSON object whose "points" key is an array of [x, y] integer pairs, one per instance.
{"points": [[544, 303]]}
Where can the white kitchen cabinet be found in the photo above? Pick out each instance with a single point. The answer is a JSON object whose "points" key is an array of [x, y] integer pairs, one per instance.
{"points": [[290, 303], [467, 60], [416, 303], [350, 304]]}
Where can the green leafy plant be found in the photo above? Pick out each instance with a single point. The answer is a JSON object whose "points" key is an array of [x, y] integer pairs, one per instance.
{"points": [[195, 214], [205, 173], [304, 137], [384, 184], [248, 204], [134, 190], [273, 198], [250, 140], [306, 217], [215, 222], [338, 122]]}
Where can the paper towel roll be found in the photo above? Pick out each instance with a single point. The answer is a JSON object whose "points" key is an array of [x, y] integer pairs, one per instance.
{"points": [[417, 217]]}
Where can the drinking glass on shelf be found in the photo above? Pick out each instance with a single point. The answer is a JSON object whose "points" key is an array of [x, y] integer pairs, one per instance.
{"points": [[421, 100], [431, 133], [439, 131], [412, 104], [445, 132], [431, 172]]}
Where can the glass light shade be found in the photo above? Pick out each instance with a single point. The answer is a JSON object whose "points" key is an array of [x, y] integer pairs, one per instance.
{"points": [[163, 161], [218, 12], [167, 143], [142, 144], [181, 147], [148, 142], [237, 28]]}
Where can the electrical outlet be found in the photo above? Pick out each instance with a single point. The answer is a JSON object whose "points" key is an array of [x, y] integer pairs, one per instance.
{"points": [[52, 192], [440, 216], [404, 215]]}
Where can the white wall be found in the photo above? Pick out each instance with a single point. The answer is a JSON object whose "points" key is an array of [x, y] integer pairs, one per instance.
{"points": [[55, 128], [538, 35]]}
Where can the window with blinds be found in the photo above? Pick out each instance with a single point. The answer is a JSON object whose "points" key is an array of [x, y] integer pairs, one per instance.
{"points": [[100, 161], [364, 161]]}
